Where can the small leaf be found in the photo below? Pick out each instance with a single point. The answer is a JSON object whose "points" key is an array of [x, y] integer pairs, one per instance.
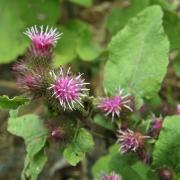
{"points": [[138, 55], [14, 103], [119, 17], [85, 3], [167, 148], [82, 143]]}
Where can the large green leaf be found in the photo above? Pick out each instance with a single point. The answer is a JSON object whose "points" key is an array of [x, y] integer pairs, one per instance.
{"points": [[76, 42], [15, 17], [125, 165], [138, 55], [167, 148], [14, 103], [31, 129], [86, 3], [119, 17], [81, 144]]}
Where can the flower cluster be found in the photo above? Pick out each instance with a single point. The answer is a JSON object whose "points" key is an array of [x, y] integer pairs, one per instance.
{"points": [[114, 104], [129, 140]]}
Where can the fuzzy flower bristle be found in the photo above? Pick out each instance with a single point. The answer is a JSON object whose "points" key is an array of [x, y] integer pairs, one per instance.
{"points": [[43, 38], [114, 104], [112, 176], [129, 140], [68, 89]]}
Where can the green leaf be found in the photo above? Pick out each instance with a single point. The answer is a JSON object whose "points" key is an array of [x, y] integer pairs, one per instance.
{"points": [[31, 129], [171, 24], [125, 165], [81, 144], [16, 16], [76, 42], [104, 122], [85, 3], [138, 55], [167, 148], [14, 103], [119, 17], [33, 167]]}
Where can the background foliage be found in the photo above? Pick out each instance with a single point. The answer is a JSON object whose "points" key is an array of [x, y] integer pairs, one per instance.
{"points": [[131, 43]]}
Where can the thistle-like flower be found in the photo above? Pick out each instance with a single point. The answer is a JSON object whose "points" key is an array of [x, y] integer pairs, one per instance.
{"points": [[68, 89], [42, 38], [29, 81], [130, 140], [112, 176], [19, 67], [113, 105]]}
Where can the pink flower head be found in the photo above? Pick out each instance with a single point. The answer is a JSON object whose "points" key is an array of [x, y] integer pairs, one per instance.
{"points": [[42, 38], [29, 81], [68, 89], [112, 176], [130, 140], [113, 105]]}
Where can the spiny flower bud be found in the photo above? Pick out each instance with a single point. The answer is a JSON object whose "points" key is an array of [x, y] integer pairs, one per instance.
{"points": [[114, 104], [42, 38], [68, 89], [130, 140], [29, 82], [57, 133], [156, 125], [19, 67], [112, 176], [165, 174]]}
